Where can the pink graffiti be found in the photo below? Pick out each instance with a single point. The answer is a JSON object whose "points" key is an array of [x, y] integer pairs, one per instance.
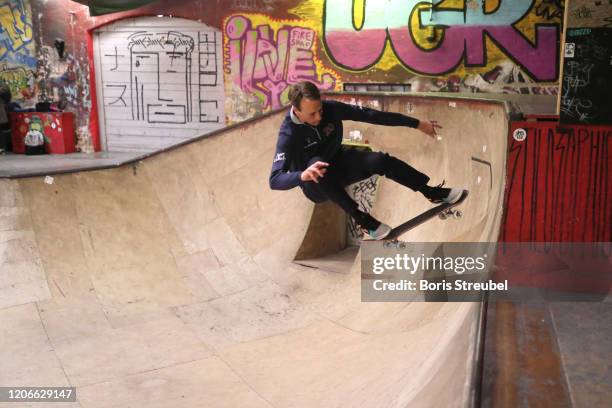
{"points": [[464, 42], [258, 64], [461, 41]]}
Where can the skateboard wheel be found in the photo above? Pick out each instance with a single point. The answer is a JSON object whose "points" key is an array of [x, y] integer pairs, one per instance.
{"points": [[386, 244], [458, 214], [402, 245], [443, 215]]}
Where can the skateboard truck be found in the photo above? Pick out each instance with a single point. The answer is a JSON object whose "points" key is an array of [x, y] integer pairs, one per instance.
{"points": [[450, 213], [394, 243]]}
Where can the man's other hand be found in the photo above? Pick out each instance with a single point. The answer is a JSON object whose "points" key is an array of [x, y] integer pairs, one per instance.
{"points": [[315, 171], [429, 128]]}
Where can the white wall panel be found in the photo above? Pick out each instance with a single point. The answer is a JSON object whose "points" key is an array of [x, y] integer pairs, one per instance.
{"points": [[159, 81]]}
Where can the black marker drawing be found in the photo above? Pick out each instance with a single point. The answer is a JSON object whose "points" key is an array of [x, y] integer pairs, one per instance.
{"points": [[117, 56], [207, 45], [120, 98], [150, 54], [151, 76], [205, 117]]}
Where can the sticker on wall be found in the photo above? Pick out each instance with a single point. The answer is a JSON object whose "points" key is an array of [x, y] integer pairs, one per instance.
{"points": [[519, 134], [355, 136], [570, 48]]}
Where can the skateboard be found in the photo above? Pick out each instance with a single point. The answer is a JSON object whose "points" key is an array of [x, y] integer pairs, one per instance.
{"points": [[444, 211]]}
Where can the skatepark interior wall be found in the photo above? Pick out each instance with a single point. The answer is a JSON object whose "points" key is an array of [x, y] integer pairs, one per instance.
{"points": [[176, 274]]}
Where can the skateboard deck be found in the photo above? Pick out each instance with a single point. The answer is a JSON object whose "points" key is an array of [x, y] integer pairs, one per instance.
{"points": [[443, 210]]}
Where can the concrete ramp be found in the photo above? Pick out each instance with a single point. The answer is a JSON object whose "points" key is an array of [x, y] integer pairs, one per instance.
{"points": [[171, 281]]}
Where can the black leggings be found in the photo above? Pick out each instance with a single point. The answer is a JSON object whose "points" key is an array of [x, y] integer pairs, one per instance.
{"points": [[350, 166]]}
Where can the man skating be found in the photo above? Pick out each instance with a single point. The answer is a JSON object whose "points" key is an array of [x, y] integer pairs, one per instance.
{"points": [[309, 154]]}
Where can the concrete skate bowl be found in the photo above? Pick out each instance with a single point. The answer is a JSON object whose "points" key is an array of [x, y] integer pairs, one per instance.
{"points": [[171, 281]]}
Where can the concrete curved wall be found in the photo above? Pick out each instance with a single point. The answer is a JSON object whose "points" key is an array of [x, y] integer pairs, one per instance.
{"points": [[171, 280]]}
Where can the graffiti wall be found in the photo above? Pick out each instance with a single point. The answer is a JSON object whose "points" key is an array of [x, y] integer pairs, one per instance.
{"points": [[17, 49], [502, 46], [558, 183], [496, 46], [263, 57], [589, 13], [507, 46], [586, 70]]}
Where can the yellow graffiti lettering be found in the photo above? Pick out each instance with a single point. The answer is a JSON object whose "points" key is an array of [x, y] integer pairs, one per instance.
{"points": [[16, 23]]}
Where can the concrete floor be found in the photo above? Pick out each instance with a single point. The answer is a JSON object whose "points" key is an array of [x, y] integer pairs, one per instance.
{"points": [[548, 354], [171, 283]]}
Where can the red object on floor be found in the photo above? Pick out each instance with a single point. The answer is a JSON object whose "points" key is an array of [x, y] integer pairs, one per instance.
{"points": [[58, 128]]}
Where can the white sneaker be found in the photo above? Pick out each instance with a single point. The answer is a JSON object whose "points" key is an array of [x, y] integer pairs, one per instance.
{"points": [[381, 232], [439, 194], [453, 196]]}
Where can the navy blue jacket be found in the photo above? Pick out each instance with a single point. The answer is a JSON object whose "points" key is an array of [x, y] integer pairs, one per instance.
{"points": [[299, 142]]}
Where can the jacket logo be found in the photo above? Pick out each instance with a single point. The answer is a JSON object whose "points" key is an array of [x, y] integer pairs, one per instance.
{"points": [[279, 157], [328, 129]]}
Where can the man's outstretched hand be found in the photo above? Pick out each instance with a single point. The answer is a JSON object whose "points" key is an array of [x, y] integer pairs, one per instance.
{"points": [[314, 172], [429, 128]]}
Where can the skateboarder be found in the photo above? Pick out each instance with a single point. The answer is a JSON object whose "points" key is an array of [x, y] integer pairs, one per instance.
{"points": [[309, 155]]}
